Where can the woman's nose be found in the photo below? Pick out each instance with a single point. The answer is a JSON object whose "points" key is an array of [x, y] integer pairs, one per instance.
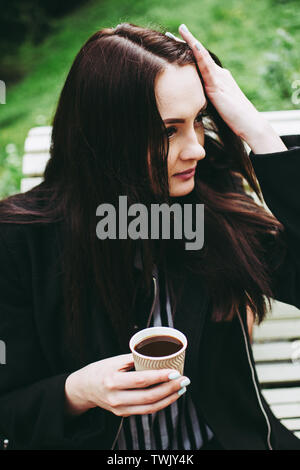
{"points": [[192, 151]]}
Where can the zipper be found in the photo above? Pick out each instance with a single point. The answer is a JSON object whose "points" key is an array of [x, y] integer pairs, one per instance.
{"points": [[148, 323], [255, 385]]}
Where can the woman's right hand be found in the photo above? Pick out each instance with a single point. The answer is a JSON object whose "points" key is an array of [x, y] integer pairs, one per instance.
{"points": [[231, 103], [111, 385]]}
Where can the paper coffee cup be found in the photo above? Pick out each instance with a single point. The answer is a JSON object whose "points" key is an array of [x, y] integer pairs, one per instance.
{"points": [[173, 361]]}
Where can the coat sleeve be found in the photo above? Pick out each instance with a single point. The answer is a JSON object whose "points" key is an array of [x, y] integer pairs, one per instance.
{"points": [[278, 175], [32, 400]]}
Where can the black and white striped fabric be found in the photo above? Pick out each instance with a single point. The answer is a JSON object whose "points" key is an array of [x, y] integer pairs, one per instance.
{"points": [[177, 426]]}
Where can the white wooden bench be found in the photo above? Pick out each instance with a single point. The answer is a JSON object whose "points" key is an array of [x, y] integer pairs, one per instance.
{"points": [[36, 155], [276, 343], [276, 350]]}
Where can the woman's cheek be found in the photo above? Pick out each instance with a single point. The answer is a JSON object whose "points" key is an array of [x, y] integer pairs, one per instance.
{"points": [[171, 163]]}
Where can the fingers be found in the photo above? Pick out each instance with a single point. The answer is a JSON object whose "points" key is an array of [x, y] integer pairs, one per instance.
{"points": [[141, 389], [154, 395], [190, 39], [126, 362], [141, 379], [136, 392], [148, 408], [205, 62], [122, 362], [144, 401]]}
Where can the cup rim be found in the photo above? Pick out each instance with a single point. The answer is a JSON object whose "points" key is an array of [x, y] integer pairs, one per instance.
{"points": [[166, 329]]}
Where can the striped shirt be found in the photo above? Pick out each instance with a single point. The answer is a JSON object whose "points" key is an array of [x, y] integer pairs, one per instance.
{"points": [[176, 427]]}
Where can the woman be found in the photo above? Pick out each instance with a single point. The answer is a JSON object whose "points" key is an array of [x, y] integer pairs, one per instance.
{"points": [[137, 109]]}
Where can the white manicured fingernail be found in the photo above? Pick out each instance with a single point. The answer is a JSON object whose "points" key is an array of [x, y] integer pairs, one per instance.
{"points": [[182, 391], [198, 46], [185, 382], [174, 375], [184, 28], [170, 35]]}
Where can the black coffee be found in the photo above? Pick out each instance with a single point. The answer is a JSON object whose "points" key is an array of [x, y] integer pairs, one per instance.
{"points": [[156, 346]]}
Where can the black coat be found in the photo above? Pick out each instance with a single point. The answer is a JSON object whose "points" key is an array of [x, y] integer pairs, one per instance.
{"points": [[219, 361]]}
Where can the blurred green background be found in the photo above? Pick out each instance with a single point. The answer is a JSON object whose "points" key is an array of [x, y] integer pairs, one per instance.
{"points": [[257, 40]]}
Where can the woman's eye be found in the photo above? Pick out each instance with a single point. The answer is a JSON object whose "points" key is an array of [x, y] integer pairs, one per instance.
{"points": [[199, 120], [170, 131]]}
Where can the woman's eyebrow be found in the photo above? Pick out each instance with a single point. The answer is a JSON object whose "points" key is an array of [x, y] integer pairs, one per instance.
{"points": [[177, 120]]}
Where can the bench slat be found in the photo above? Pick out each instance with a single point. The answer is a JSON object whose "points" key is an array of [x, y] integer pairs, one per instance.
{"points": [[37, 143], [278, 373], [286, 128], [278, 396], [275, 351], [275, 330], [287, 410], [284, 122], [291, 424], [40, 130], [29, 183], [281, 311], [35, 164]]}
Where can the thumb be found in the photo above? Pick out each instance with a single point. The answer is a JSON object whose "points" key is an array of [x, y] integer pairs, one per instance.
{"points": [[124, 362]]}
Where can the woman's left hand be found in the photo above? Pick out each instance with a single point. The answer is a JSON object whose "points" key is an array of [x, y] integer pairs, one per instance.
{"points": [[231, 103]]}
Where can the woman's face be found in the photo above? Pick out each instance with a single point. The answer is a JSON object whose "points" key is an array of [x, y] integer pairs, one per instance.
{"points": [[180, 99]]}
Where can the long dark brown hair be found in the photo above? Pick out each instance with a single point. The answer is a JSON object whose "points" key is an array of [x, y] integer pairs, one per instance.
{"points": [[105, 123]]}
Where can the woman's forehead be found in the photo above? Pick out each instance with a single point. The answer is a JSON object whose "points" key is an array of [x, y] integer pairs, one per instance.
{"points": [[179, 92]]}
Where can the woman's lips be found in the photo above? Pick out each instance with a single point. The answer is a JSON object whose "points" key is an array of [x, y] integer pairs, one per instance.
{"points": [[186, 174]]}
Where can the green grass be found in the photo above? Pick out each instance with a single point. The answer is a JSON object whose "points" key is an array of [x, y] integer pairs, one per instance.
{"points": [[256, 39]]}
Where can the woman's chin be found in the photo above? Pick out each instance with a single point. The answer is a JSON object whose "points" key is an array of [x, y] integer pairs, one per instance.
{"points": [[182, 189]]}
